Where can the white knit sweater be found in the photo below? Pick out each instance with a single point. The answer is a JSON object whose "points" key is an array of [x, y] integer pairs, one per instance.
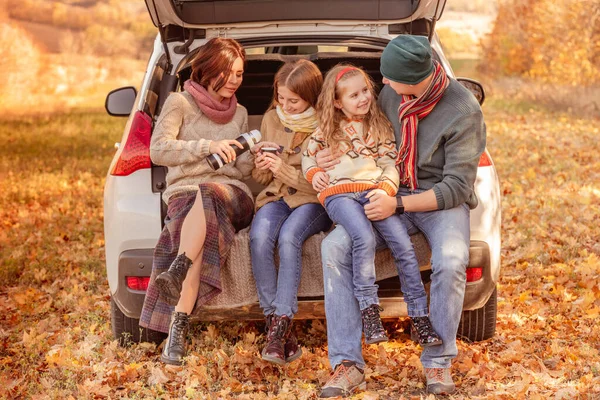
{"points": [[181, 140]]}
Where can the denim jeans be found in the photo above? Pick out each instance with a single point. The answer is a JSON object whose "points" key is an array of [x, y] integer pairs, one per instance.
{"points": [[274, 223], [347, 209], [448, 234]]}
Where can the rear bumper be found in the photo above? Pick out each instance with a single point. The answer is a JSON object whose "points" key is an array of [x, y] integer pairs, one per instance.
{"points": [[132, 263], [139, 263], [477, 293]]}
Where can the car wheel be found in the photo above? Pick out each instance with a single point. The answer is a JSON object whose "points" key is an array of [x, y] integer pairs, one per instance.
{"points": [[127, 330], [480, 324]]}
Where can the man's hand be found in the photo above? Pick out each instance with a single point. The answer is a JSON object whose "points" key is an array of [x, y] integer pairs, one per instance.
{"points": [[380, 206], [326, 160], [320, 181]]}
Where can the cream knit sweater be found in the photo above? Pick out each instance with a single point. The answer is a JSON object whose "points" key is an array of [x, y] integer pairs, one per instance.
{"points": [[181, 139], [364, 166]]}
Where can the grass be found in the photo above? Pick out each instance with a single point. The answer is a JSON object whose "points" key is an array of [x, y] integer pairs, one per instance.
{"points": [[465, 67], [51, 205]]}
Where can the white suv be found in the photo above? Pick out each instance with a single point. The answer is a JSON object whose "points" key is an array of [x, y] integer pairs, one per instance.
{"points": [[272, 32]]}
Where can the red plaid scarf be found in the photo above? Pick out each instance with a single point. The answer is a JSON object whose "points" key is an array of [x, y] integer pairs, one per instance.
{"points": [[411, 110]]}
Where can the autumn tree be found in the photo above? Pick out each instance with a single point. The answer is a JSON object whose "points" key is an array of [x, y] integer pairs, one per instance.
{"points": [[552, 41]]}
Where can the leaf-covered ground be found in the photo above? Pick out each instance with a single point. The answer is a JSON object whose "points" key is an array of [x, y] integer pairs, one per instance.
{"points": [[55, 337]]}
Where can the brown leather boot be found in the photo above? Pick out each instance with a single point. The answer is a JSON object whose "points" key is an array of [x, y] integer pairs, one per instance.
{"points": [[169, 283], [292, 349], [279, 330]]}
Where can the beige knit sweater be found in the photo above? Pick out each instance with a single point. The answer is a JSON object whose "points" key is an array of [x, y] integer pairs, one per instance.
{"points": [[288, 184], [181, 139]]}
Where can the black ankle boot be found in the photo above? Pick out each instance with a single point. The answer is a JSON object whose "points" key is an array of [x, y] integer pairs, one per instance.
{"points": [[422, 331], [372, 325], [176, 344], [169, 282]]}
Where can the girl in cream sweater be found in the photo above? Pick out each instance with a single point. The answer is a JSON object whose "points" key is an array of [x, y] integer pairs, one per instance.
{"points": [[351, 123]]}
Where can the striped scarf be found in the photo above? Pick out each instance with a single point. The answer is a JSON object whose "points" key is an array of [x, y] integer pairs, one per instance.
{"points": [[305, 122], [411, 110]]}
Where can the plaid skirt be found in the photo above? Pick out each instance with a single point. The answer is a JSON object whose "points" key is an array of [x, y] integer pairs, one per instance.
{"points": [[227, 209]]}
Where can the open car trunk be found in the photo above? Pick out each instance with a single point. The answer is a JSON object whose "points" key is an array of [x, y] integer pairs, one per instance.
{"points": [[208, 13]]}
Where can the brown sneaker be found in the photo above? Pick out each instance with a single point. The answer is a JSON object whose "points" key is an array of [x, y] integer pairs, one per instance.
{"points": [[346, 379], [439, 381]]}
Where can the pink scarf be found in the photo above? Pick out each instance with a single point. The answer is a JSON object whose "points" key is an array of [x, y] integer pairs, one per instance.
{"points": [[219, 112], [411, 110]]}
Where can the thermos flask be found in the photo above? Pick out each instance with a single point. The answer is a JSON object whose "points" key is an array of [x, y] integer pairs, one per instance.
{"points": [[247, 140]]}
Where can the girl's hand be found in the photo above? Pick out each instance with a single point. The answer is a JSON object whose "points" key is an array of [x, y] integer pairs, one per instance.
{"points": [[320, 181], [224, 149], [274, 162], [327, 160], [256, 148], [262, 162]]}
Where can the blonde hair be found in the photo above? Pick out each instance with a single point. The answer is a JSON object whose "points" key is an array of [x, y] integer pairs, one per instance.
{"points": [[302, 77], [330, 117]]}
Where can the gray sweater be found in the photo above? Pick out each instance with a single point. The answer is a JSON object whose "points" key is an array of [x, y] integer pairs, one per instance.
{"points": [[181, 139], [450, 141]]}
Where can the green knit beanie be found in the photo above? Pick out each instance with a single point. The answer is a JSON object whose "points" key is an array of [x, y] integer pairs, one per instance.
{"points": [[407, 59]]}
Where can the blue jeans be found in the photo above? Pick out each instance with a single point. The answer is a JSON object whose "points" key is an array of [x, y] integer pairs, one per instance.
{"points": [[274, 223], [347, 209], [448, 234]]}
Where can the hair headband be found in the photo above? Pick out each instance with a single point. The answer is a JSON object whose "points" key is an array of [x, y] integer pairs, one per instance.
{"points": [[342, 72]]}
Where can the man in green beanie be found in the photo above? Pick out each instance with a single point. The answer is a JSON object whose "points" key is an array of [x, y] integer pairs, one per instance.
{"points": [[440, 134]]}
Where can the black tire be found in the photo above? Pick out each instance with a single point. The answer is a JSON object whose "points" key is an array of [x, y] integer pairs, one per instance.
{"points": [[480, 324], [127, 330]]}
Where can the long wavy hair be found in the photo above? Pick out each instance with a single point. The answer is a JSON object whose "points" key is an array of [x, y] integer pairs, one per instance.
{"points": [[302, 77], [330, 117]]}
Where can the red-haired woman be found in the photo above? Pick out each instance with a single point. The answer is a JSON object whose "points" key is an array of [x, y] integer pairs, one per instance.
{"points": [[205, 206]]}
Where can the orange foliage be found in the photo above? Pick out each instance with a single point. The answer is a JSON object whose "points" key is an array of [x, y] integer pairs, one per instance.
{"points": [[547, 40], [55, 336]]}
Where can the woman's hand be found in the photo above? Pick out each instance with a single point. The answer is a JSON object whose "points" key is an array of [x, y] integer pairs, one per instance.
{"points": [[256, 148], [274, 162], [320, 181], [262, 162], [224, 149], [328, 160]]}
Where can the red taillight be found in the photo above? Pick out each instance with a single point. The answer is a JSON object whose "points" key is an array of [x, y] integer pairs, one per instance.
{"points": [[138, 282], [136, 151], [485, 160], [474, 274]]}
